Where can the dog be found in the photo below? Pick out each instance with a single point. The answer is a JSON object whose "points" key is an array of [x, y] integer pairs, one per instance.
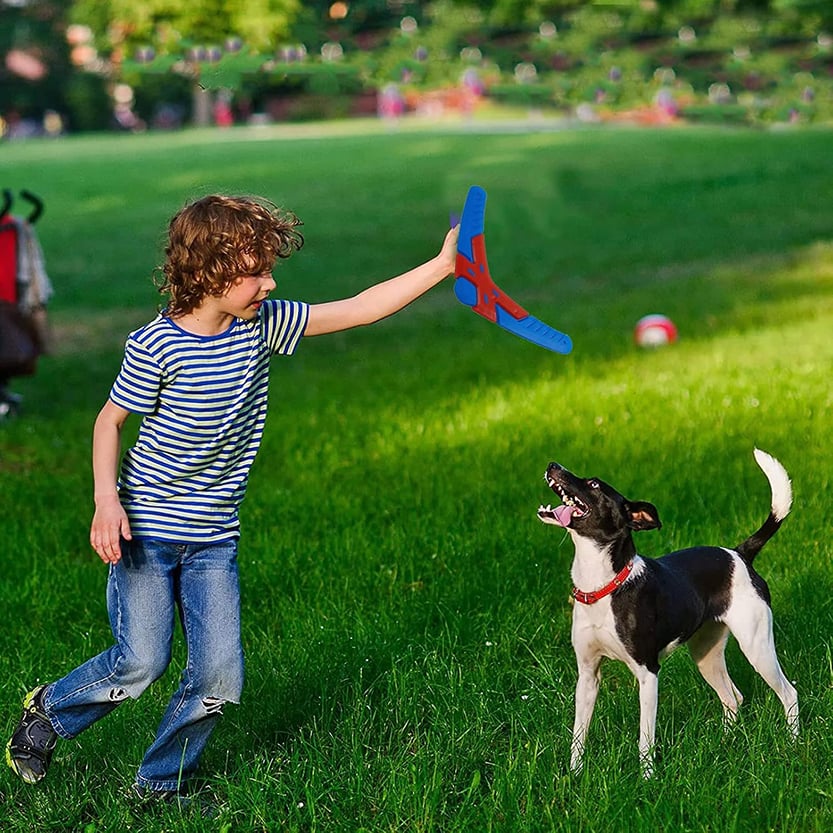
{"points": [[637, 609]]}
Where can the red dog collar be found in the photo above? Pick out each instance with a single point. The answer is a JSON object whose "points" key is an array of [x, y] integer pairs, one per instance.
{"points": [[595, 595]]}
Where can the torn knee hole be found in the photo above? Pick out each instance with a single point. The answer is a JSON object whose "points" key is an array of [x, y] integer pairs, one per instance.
{"points": [[213, 705], [118, 694]]}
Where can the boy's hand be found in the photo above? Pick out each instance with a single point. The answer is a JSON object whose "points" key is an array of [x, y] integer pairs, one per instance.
{"points": [[109, 526], [448, 253]]}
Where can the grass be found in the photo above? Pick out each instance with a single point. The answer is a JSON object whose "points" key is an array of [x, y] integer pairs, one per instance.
{"points": [[406, 618]]}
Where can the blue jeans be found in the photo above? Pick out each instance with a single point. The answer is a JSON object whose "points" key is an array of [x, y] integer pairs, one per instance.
{"points": [[152, 581]]}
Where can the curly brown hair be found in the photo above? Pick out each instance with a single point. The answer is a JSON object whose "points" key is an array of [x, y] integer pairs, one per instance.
{"points": [[217, 238]]}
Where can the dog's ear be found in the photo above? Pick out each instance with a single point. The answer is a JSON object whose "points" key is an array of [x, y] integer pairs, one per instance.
{"points": [[643, 515]]}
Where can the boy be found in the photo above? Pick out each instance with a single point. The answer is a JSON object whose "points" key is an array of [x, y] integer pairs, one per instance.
{"points": [[166, 523]]}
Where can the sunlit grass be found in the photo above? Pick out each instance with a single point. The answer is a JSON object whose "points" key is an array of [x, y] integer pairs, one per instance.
{"points": [[406, 618]]}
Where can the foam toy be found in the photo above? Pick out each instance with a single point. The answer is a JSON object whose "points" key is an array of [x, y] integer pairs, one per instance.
{"points": [[475, 288]]}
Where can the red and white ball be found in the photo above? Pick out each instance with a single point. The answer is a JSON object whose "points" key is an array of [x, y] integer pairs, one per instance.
{"points": [[654, 331]]}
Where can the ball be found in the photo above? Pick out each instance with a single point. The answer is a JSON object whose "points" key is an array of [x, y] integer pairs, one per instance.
{"points": [[654, 331]]}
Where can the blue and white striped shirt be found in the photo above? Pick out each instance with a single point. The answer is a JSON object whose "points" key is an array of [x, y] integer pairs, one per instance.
{"points": [[203, 401]]}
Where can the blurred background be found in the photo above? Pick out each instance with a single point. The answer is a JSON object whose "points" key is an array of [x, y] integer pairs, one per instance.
{"points": [[69, 66]]}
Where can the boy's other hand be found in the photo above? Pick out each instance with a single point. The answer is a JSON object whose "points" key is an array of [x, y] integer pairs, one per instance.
{"points": [[109, 526]]}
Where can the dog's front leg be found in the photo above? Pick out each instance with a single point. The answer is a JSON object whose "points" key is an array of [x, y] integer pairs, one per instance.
{"points": [[587, 689], [648, 695]]}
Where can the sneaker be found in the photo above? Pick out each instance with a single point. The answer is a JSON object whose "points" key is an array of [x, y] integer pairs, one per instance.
{"points": [[146, 796], [30, 749], [194, 804]]}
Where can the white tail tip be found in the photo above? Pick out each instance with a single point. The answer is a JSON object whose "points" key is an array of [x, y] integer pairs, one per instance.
{"points": [[779, 483]]}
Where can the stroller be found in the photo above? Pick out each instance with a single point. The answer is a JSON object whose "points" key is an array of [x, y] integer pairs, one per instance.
{"points": [[25, 290]]}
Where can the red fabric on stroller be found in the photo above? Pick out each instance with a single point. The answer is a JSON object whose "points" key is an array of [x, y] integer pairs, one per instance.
{"points": [[8, 260], [24, 291]]}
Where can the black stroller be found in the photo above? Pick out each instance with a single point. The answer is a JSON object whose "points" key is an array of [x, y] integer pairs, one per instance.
{"points": [[25, 290]]}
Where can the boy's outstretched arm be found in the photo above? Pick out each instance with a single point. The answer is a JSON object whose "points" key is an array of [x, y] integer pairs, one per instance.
{"points": [[110, 522], [386, 298]]}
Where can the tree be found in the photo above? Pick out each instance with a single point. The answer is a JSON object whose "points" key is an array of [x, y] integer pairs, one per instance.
{"points": [[821, 9], [167, 24], [198, 30], [34, 57]]}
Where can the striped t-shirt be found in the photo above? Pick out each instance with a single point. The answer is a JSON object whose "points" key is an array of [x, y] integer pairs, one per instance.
{"points": [[203, 401]]}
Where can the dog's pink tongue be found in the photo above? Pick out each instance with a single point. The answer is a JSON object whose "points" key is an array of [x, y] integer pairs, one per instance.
{"points": [[564, 514]]}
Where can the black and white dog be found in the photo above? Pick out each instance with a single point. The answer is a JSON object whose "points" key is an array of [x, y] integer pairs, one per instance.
{"points": [[637, 609]]}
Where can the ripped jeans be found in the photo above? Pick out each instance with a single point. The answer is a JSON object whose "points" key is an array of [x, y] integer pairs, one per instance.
{"points": [[152, 581]]}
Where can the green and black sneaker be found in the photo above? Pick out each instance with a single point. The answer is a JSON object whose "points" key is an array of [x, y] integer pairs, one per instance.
{"points": [[30, 749], [196, 804]]}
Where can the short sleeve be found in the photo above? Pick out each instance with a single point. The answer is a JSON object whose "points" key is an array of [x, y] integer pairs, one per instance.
{"points": [[283, 324], [137, 386]]}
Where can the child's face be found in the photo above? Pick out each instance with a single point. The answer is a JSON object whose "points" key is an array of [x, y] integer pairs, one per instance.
{"points": [[245, 294]]}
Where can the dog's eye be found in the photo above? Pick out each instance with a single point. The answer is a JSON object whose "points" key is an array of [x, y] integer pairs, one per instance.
{"points": [[593, 484]]}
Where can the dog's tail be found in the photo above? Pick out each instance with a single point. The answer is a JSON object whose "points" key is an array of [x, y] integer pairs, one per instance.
{"points": [[782, 498]]}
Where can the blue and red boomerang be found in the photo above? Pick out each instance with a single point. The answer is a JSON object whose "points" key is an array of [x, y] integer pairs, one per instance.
{"points": [[475, 288]]}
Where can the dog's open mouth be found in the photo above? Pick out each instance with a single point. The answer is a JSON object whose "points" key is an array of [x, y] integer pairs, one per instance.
{"points": [[571, 507]]}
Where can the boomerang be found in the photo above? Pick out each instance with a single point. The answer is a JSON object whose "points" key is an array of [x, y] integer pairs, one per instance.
{"points": [[475, 288]]}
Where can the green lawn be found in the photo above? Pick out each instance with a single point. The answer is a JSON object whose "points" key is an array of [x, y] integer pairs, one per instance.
{"points": [[406, 617]]}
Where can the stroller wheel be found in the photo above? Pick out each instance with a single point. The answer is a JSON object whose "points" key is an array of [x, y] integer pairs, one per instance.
{"points": [[9, 404]]}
